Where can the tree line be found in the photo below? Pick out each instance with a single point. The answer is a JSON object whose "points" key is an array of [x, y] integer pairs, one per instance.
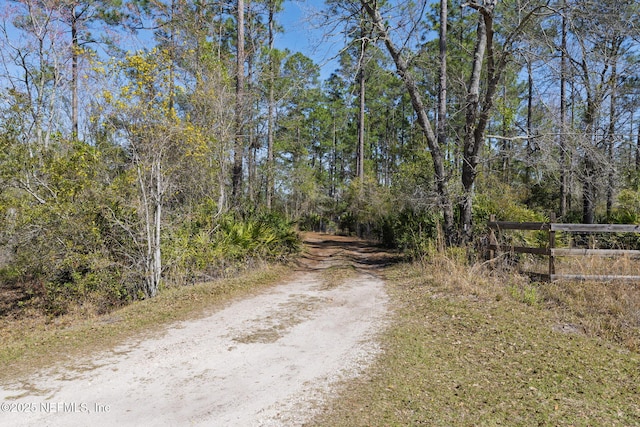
{"points": [[165, 142]]}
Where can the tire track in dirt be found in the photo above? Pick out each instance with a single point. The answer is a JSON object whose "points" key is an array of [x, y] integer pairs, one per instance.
{"points": [[264, 360]]}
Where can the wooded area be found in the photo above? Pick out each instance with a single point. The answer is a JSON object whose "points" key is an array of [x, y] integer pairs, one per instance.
{"points": [[150, 143]]}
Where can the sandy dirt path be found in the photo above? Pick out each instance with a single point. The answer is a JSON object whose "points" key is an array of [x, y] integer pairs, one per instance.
{"points": [[265, 360]]}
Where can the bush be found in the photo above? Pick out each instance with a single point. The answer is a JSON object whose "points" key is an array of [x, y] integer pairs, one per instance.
{"points": [[502, 203], [62, 241], [627, 210], [206, 247], [266, 236], [414, 232]]}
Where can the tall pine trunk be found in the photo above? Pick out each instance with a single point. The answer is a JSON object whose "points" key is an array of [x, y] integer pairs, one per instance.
{"points": [[236, 177], [442, 86], [613, 82], [75, 51], [271, 109], [564, 69], [361, 108]]}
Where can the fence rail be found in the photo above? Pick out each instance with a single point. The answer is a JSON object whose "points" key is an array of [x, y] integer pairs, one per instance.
{"points": [[552, 252]]}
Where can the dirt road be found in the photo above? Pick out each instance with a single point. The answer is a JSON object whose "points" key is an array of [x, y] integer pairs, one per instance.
{"points": [[266, 360]]}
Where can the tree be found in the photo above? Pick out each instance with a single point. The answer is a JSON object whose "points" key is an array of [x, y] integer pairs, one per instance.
{"points": [[79, 15], [442, 84], [299, 134], [421, 111], [49, 21], [599, 33], [273, 7], [33, 66], [158, 142], [364, 42], [236, 175], [479, 108], [564, 190]]}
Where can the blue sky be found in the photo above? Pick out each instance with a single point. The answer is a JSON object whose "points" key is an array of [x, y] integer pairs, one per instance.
{"points": [[300, 34]]}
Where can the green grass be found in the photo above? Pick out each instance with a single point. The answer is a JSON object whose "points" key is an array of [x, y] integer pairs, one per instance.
{"points": [[465, 349], [35, 342]]}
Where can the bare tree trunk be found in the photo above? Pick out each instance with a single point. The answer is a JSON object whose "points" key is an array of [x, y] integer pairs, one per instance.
{"points": [[151, 199], [563, 120], [588, 164], [75, 50], [172, 54], [469, 163], [473, 132], [253, 187], [442, 90], [593, 96], [361, 107], [251, 128], [613, 81], [529, 154], [334, 162], [361, 103], [271, 112], [236, 177], [477, 114], [157, 252], [148, 266]]}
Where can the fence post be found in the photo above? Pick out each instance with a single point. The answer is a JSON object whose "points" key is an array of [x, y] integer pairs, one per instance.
{"points": [[552, 244]]}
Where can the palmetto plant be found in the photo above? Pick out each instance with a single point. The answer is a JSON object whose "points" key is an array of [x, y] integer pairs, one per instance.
{"points": [[263, 237]]}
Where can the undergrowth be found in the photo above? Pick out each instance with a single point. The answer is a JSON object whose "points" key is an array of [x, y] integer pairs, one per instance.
{"points": [[205, 247]]}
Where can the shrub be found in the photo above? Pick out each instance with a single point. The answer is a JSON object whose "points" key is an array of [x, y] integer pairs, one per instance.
{"points": [[206, 247], [628, 208], [413, 231]]}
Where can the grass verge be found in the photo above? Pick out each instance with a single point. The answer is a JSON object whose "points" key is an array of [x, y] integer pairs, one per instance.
{"points": [[37, 342], [465, 348]]}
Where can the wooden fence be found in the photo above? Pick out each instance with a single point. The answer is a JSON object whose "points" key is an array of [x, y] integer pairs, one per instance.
{"points": [[552, 251]]}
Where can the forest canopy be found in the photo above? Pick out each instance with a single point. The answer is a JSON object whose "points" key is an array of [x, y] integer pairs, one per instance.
{"points": [[146, 144]]}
